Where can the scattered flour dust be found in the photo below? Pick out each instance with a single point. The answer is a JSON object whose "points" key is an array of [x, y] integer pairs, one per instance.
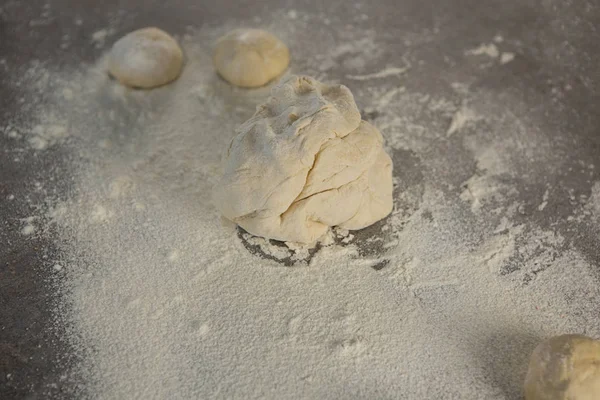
{"points": [[444, 299], [391, 71], [29, 228], [491, 50]]}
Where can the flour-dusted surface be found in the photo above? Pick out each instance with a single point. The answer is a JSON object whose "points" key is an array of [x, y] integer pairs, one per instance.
{"points": [[492, 245]]}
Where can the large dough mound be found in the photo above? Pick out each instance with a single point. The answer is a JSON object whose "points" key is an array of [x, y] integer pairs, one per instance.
{"points": [[564, 367], [304, 162]]}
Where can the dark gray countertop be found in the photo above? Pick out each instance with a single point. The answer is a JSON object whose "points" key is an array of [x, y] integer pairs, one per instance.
{"points": [[559, 45]]}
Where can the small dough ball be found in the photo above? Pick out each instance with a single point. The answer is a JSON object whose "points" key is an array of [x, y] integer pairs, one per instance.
{"points": [[303, 163], [250, 57], [145, 58], [564, 367]]}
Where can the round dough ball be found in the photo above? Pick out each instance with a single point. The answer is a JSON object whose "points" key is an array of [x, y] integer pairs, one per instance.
{"points": [[145, 58], [564, 367], [303, 163], [250, 57]]}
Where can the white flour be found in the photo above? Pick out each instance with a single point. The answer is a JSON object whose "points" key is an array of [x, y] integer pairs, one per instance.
{"points": [[446, 299], [490, 50]]}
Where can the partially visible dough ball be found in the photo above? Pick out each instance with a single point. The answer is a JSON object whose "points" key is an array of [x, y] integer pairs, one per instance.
{"points": [[564, 367], [145, 58], [250, 57], [303, 163]]}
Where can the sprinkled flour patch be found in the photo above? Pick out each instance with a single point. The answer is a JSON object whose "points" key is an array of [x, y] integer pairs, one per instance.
{"points": [[29, 228], [487, 49]]}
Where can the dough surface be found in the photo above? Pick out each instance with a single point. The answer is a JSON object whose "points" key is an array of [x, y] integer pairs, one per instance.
{"points": [[250, 57], [564, 367], [145, 58], [303, 163]]}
